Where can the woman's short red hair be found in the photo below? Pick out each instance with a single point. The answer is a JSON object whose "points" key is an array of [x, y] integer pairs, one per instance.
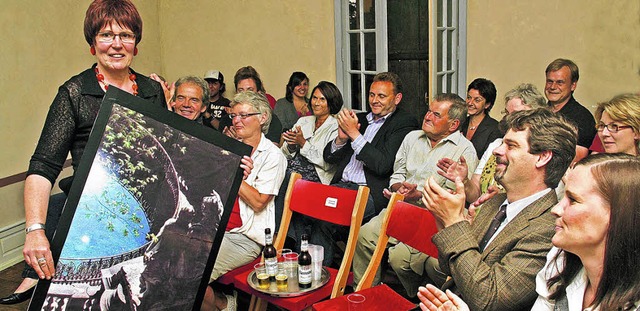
{"points": [[103, 12]]}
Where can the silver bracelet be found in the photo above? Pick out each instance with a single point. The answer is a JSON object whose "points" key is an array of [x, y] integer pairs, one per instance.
{"points": [[34, 227]]}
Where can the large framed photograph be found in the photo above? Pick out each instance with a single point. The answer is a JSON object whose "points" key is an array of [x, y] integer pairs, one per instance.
{"points": [[146, 213]]}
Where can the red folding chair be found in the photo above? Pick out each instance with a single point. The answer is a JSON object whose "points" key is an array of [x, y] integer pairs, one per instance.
{"points": [[327, 203], [409, 224]]}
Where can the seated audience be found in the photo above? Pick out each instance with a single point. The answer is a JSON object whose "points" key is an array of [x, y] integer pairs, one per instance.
{"points": [[295, 103], [248, 79], [592, 264], [416, 161], [493, 260], [480, 128], [619, 124], [524, 97], [365, 149], [254, 208]]}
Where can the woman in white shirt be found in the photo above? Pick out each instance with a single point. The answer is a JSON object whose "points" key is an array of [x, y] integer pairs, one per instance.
{"points": [[308, 137], [596, 255]]}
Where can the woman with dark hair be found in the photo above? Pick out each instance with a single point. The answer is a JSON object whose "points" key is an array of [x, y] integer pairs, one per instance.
{"points": [[593, 264], [480, 128], [295, 104], [304, 143], [113, 29], [303, 146]]}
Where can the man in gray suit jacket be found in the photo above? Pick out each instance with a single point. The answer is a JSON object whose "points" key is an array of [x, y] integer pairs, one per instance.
{"points": [[493, 259]]}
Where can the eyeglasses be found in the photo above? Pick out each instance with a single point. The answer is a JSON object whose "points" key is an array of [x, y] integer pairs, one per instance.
{"points": [[108, 37], [243, 115], [613, 128]]}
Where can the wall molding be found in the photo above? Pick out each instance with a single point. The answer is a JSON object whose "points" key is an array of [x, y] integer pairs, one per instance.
{"points": [[11, 243]]}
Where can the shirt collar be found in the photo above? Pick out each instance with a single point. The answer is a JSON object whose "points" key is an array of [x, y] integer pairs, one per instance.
{"points": [[264, 143], [514, 208], [90, 84], [454, 138], [381, 120]]}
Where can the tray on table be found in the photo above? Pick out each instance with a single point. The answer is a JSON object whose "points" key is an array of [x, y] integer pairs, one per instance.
{"points": [[292, 285]]}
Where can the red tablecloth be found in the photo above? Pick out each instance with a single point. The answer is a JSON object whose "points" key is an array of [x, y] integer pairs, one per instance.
{"points": [[379, 297]]}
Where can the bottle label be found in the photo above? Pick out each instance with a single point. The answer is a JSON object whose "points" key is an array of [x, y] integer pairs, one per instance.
{"points": [[304, 274], [272, 266]]}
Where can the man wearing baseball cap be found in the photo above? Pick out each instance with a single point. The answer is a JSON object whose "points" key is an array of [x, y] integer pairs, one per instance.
{"points": [[217, 103]]}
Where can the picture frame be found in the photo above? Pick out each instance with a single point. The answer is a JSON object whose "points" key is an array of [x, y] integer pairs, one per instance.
{"points": [[145, 215]]}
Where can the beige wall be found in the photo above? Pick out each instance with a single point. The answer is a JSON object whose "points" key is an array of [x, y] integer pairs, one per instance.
{"points": [[511, 42], [275, 37], [42, 46]]}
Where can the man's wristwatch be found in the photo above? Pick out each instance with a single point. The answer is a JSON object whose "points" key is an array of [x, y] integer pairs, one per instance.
{"points": [[34, 227]]}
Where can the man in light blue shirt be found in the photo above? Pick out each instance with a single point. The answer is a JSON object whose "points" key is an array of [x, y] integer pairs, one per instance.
{"points": [[365, 150]]}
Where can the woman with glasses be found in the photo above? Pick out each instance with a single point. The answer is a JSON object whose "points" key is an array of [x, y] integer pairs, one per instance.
{"points": [[254, 209], [593, 264], [113, 29], [618, 124]]}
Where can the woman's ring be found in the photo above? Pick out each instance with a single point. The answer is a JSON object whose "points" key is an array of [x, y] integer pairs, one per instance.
{"points": [[42, 261]]}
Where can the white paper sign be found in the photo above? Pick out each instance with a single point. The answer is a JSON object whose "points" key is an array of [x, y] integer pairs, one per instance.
{"points": [[331, 202]]}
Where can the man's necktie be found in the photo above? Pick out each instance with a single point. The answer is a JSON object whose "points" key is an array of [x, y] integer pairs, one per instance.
{"points": [[495, 223]]}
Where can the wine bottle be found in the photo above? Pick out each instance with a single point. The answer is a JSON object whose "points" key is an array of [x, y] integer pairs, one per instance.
{"points": [[304, 264], [269, 253]]}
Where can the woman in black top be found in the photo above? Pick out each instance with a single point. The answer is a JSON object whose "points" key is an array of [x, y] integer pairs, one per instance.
{"points": [[113, 29], [480, 128]]}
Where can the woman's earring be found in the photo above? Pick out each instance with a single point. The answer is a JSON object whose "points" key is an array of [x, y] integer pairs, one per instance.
{"points": [[93, 50], [135, 51]]}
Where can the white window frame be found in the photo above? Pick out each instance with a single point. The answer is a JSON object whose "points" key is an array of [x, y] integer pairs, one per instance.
{"points": [[343, 48], [457, 48]]}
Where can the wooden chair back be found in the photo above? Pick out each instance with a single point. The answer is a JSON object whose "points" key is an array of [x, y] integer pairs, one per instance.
{"points": [[332, 204], [407, 223]]}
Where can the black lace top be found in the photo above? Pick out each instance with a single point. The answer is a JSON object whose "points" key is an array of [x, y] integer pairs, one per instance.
{"points": [[71, 117]]}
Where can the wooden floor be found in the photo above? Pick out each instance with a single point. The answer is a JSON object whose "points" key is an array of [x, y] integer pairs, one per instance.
{"points": [[10, 279]]}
